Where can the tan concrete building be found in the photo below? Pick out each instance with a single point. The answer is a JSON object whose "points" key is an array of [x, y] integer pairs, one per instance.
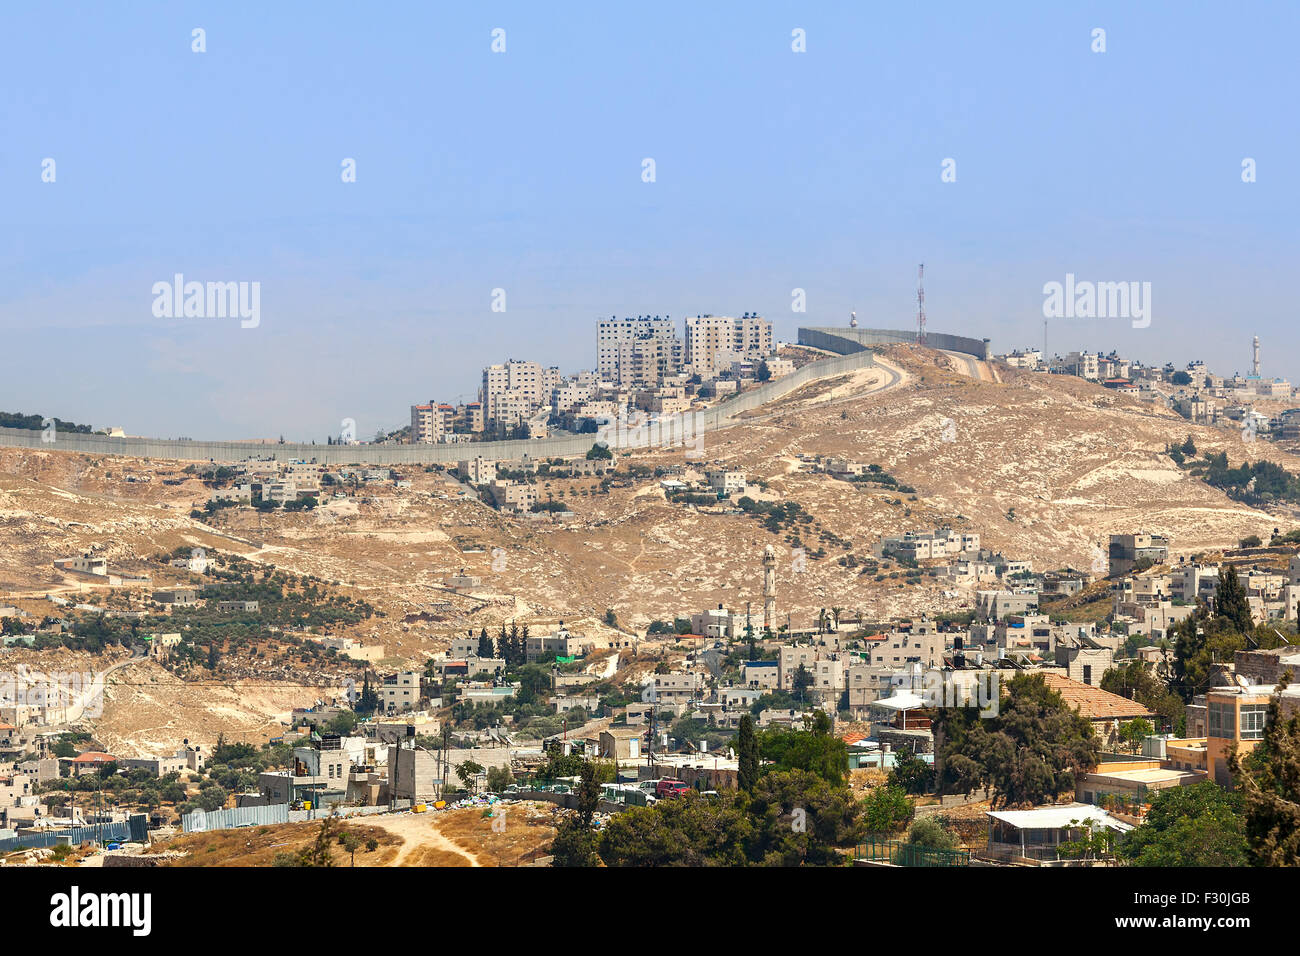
{"points": [[713, 342]]}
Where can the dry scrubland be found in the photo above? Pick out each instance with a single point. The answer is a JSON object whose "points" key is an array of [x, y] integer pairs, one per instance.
{"points": [[462, 837]]}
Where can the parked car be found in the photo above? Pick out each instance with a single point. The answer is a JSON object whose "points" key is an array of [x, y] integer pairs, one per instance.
{"points": [[670, 788]]}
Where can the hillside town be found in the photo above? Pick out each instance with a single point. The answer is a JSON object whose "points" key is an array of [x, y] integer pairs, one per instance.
{"points": [[643, 368], [1256, 405], [1155, 669], [674, 709]]}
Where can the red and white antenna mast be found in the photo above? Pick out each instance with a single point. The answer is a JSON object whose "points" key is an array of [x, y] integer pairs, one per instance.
{"points": [[920, 304]]}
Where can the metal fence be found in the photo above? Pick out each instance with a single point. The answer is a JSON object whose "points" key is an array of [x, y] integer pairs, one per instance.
{"points": [[897, 853], [269, 814], [201, 822], [135, 829]]}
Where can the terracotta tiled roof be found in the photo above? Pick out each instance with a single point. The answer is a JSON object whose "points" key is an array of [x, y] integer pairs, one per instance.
{"points": [[93, 756], [1093, 702]]}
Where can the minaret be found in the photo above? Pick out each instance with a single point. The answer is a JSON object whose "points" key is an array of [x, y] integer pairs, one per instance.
{"points": [[1257, 356], [769, 588]]}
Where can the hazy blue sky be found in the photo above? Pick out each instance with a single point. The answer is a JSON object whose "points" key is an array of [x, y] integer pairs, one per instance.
{"points": [[522, 170]]}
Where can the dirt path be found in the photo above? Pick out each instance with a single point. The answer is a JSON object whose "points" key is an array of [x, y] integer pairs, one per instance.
{"points": [[422, 843]]}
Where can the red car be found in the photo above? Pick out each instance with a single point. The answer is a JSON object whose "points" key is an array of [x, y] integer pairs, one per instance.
{"points": [[670, 788]]}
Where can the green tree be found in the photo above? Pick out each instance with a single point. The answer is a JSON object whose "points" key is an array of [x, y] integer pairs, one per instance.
{"points": [[342, 723], [1230, 601], [588, 793], [930, 833], [575, 842], [747, 752], [911, 773], [887, 809], [369, 701], [1031, 751], [468, 772], [1135, 681], [1203, 640], [350, 843], [1135, 731], [1268, 779], [318, 853], [1197, 825], [802, 819], [499, 779], [212, 798], [688, 830], [816, 750], [802, 681]]}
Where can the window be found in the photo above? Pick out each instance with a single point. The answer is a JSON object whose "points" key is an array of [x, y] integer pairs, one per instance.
{"points": [[1252, 721], [1222, 719]]}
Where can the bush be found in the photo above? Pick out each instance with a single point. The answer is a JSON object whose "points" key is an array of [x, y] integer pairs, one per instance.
{"points": [[888, 809], [929, 832]]}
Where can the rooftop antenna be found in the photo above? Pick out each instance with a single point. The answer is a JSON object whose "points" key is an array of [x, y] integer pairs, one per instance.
{"points": [[920, 304]]}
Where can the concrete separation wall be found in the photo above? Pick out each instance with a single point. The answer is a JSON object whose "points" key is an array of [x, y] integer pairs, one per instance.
{"points": [[847, 341], [688, 423]]}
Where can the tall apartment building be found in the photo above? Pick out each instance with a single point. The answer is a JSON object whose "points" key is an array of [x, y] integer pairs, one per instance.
{"points": [[430, 422], [472, 415], [512, 391], [713, 342], [637, 353], [565, 398]]}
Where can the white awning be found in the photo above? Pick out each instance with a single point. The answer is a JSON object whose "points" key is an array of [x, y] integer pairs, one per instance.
{"points": [[900, 702], [1056, 818]]}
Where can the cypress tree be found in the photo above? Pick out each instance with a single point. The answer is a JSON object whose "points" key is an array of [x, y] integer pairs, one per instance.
{"points": [[1230, 601], [747, 751]]}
